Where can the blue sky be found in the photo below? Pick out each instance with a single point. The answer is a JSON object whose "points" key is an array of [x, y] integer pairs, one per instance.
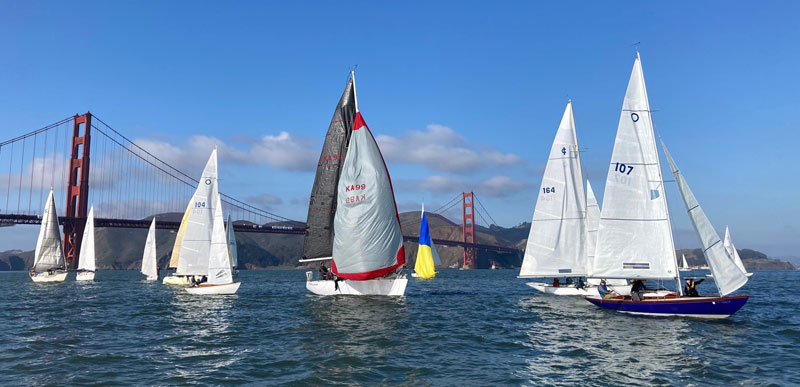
{"points": [[462, 95]]}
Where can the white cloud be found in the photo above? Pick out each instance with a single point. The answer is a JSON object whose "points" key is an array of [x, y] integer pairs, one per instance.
{"points": [[265, 200], [441, 148], [496, 186]]}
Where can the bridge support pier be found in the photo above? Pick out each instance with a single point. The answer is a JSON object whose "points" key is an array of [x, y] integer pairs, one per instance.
{"points": [[468, 226], [77, 188]]}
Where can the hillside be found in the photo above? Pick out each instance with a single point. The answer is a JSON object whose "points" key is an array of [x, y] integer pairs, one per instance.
{"points": [[121, 248]]}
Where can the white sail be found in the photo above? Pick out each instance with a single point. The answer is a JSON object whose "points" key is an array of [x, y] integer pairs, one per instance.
{"points": [[86, 258], [231, 237], [150, 258], [219, 261], [196, 243], [731, 249], [684, 264], [592, 223], [727, 275], [634, 238], [49, 253], [557, 241]]}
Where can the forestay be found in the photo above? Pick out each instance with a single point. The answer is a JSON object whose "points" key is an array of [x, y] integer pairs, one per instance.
{"points": [[49, 253], [731, 249], [149, 258], [368, 242], [86, 258], [193, 259], [727, 275], [318, 241], [557, 241], [634, 238], [219, 261]]}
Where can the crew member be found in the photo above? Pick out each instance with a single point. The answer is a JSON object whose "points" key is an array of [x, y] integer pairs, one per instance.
{"points": [[689, 290]]}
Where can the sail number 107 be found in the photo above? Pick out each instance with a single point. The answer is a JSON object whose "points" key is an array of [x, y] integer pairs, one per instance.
{"points": [[624, 169]]}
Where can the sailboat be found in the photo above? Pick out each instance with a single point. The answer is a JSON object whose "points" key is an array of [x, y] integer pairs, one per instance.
{"points": [[150, 258], [731, 249], [635, 236], [425, 266], [684, 264], [557, 240], [352, 212], [193, 241], [219, 271], [232, 250], [86, 258], [49, 264]]}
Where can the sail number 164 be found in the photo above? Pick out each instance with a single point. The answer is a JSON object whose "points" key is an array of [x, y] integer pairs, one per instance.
{"points": [[624, 169]]}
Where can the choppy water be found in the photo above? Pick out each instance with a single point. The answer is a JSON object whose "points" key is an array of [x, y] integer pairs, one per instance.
{"points": [[463, 328]]}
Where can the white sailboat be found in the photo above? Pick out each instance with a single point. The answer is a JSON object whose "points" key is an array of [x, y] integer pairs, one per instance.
{"points": [[150, 258], [684, 264], [557, 240], [367, 246], [635, 237], [219, 272], [49, 264], [86, 258], [193, 241], [232, 249], [731, 249]]}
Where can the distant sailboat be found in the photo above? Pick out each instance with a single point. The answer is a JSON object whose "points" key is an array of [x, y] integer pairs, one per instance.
{"points": [[150, 258], [425, 266], [684, 264], [635, 237], [86, 259], [367, 244], [731, 249], [193, 241], [219, 271], [232, 249], [49, 264]]}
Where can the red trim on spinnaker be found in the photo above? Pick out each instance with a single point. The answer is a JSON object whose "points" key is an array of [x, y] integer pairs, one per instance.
{"points": [[401, 253]]}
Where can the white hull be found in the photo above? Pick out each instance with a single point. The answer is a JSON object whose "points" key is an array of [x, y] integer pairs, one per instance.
{"points": [[589, 290], [85, 276], [182, 280], [207, 289], [58, 276], [374, 287], [414, 275]]}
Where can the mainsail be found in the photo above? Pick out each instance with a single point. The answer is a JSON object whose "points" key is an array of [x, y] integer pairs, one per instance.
{"points": [[149, 258], [231, 237], [368, 242], [49, 253], [318, 240], [176, 248], [731, 249], [727, 275], [634, 238], [194, 249], [557, 241], [219, 263], [86, 258]]}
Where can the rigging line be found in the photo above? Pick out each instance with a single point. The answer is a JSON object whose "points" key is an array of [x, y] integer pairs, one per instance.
{"points": [[484, 219], [485, 210], [446, 204], [37, 131]]}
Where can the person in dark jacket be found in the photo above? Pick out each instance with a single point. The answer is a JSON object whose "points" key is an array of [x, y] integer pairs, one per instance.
{"points": [[637, 286], [555, 282], [689, 290]]}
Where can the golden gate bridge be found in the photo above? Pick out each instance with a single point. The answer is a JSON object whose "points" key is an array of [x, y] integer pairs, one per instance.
{"points": [[129, 185]]}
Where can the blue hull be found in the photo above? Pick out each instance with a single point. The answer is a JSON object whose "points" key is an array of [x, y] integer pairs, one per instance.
{"points": [[700, 307]]}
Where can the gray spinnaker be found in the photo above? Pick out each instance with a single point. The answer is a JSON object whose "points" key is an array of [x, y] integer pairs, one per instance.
{"points": [[318, 240]]}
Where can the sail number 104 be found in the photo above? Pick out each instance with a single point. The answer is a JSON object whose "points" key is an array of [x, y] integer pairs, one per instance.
{"points": [[624, 169]]}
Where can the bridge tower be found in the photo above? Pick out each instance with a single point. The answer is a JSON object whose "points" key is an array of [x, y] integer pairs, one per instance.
{"points": [[77, 188], [468, 226]]}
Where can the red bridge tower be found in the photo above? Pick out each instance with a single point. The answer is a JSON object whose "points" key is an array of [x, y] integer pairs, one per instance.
{"points": [[77, 188]]}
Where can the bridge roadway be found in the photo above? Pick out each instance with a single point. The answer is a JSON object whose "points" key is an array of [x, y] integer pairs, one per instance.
{"points": [[12, 219]]}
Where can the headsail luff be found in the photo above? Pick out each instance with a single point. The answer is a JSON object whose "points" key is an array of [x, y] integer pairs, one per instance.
{"points": [[318, 241], [557, 240], [368, 241], [86, 258], [49, 253], [634, 238], [727, 275]]}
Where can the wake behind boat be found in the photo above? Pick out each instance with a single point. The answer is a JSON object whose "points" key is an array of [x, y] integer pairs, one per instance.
{"points": [[352, 216]]}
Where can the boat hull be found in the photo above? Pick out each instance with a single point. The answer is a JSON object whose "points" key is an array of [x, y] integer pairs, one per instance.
{"points": [[177, 280], [696, 307], [85, 276], [208, 289], [374, 287], [44, 277]]}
